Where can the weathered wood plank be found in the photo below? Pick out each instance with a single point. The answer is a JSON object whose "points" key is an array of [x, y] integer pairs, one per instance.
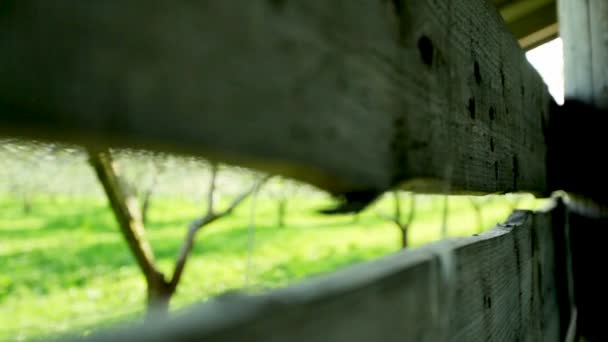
{"points": [[502, 285], [584, 28], [347, 95], [576, 134]]}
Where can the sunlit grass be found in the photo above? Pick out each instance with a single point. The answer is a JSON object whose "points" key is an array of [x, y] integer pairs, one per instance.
{"points": [[65, 267]]}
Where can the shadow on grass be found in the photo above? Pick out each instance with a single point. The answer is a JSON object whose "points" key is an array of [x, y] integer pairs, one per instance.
{"points": [[91, 219], [72, 264]]}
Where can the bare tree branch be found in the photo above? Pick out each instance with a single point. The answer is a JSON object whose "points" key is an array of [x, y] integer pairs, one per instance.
{"points": [[397, 203], [126, 210], [211, 190], [444, 217], [387, 217], [145, 197], [412, 214], [196, 225], [396, 218], [478, 214]]}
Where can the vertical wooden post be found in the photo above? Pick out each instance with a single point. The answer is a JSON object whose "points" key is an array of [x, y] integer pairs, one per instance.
{"points": [[584, 29]]}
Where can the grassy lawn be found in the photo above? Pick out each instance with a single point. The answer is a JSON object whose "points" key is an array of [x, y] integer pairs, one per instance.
{"points": [[64, 266]]}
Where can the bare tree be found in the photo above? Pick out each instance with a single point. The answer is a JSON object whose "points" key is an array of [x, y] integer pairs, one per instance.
{"points": [[146, 168], [396, 218], [282, 190], [145, 192], [211, 215], [281, 211], [24, 158], [478, 203], [128, 214], [145, 198], [444, 216]]}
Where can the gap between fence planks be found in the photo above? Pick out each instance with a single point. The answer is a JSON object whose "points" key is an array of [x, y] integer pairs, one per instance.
{"points": [[503, 285], [346, 95]]}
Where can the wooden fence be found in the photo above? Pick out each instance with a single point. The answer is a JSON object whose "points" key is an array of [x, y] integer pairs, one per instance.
{"points": [[355, 97], [498, 286]]}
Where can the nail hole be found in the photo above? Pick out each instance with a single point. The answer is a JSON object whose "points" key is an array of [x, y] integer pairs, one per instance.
{"points": [[471, 108], [477, 73], [425, 47], [487, 302], [496, 170], [492, 144], [492, 113]]}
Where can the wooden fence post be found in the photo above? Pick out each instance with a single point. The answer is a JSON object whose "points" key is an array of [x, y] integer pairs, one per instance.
{"points": [[584, 28]]}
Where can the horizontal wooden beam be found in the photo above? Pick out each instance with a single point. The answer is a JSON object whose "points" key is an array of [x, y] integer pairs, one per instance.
{"points": [[540, 37], [531, 22], [507, 284], [352, 96]]}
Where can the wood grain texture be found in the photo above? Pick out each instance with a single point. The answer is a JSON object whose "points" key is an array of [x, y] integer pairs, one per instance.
{"points": [[584, 28], [576, 134], [347, 95], [499, 286]]}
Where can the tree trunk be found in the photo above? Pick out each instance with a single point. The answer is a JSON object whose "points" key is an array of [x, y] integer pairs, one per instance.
{"points": [[27, 204], [444, 218], [146, 199], [144, 208], [477, 208], [126, 210], [159, 297], [404, 243], [281, 210]]}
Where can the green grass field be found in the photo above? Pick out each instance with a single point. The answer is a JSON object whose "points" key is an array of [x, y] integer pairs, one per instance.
{"points": [[64, 267]]}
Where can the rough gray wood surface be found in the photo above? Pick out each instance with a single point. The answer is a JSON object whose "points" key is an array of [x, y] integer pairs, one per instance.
{"points": [[499, 286], [584, 28], [573, 163], [347, 95]]}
